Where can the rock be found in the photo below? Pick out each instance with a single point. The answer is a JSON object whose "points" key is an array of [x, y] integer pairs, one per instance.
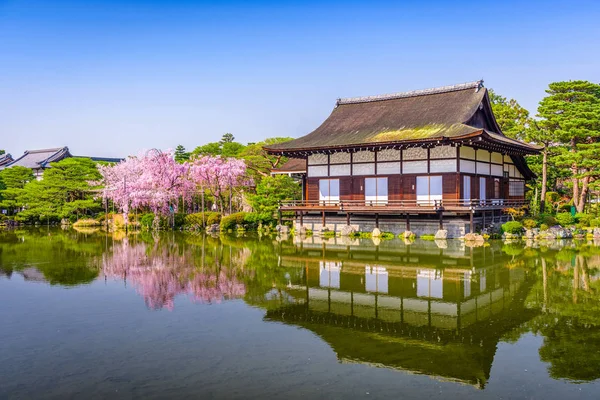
{"points": [[529, 234], [376, 240], [320, 230], [596, 232], [301, 230], [347, 230], [441, 243], [376, 233], [64, 222], [559, 232], [282, 229], [408, 235], [213, 228], [441, 234]]}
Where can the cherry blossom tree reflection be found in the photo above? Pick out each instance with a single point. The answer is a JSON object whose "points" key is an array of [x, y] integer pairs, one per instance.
{"points": [[159, 274]]}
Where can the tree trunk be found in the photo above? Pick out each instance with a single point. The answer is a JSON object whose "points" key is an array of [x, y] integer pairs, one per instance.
{"points": [[574, 179], [580, 206], [544, 179]]}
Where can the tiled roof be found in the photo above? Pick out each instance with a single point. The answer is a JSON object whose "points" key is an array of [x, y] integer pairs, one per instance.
{"points": [[36, 159]]}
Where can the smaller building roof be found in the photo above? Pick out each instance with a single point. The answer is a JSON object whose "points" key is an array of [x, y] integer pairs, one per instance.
{"points": [[5, 159], [292, 166], [36, 159]]}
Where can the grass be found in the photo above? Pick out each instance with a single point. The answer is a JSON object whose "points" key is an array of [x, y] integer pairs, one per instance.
{"points": [[86, 222]]}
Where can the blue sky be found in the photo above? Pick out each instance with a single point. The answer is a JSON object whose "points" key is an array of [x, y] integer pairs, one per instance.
{"points": [[110, 78]]}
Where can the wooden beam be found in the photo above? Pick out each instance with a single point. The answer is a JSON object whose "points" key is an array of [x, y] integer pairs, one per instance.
{"points": [[408, 222], [323, 217]]}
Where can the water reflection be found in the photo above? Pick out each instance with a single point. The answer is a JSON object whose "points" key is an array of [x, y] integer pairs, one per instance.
{"points": [[438, 309]]}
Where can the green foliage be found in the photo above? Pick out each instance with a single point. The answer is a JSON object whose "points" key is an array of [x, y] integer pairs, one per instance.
{"points": [[565, 219], [595, 223], [427, 236], [231, 222], [548, 220], [544, 227], [571, 121], [387, 236], [226, 147], [273, 189], [513, 119], [147, 220], [512, 227], [181, 155], [253, 220], [12, 184], [64, 191], [529, 223], [361, 235], [584, 219]]}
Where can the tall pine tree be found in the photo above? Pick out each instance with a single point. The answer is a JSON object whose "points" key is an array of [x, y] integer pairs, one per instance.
{"points": [[571, 119]]}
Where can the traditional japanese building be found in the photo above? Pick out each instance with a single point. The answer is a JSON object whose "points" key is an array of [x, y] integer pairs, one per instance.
{"points": [[5, 159], [431, 154], [39, 160]]}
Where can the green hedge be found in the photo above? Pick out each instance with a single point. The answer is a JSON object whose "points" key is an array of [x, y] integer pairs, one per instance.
{"points": [[196, 220], [565, 219], [513, 227], [230, 222]]}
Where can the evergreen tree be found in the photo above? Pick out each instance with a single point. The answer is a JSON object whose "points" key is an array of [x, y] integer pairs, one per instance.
{"points": [[180, 154], [571, 119], [227, 138], [12, 184], [513, 119]]}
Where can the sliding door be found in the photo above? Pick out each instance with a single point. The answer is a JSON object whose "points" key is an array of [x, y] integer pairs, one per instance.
{"points": [[429, 190], [329, 191], [376, 191]]}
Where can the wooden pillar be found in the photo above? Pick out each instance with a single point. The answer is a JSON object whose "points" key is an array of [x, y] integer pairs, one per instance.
{"points": [[323, 217], [441, 219], [301, 218], [408, 222], [483, 216], [471, 224], [377, 221], [279, 216], [347, 218]]}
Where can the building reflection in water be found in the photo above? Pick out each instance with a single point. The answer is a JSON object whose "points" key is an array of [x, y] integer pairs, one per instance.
{"points": [[439, 312]]}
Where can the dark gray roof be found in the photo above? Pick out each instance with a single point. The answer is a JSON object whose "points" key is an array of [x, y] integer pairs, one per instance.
{"points": [[36, 159], [449, 112], [5, 159]]}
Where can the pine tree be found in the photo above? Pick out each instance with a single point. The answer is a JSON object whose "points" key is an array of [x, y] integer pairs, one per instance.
{"points": [[571, 120], [180, 154], [513, 119]]}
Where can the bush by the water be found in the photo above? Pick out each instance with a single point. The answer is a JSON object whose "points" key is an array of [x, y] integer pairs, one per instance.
{"points": [[547, 219], [529, 223], [512, 227], [146, 220], [200, 220], [86, 222], [230, 222], [565, 219]]}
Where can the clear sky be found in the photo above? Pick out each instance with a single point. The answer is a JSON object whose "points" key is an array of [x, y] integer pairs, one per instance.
{"points": [[110, 78]]}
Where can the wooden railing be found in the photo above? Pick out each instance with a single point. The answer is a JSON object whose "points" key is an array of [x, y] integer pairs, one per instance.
{"points": [[400, 205]]}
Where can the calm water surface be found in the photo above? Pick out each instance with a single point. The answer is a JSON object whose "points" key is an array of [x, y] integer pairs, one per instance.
{"points": [[89, 315]]}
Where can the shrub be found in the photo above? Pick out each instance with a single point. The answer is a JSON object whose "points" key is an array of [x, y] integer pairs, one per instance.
{"points": [[565, 219], [146, 220], [253, 220], [387, 235], [195, 220], [361, 235], [230, 222], [529, 223], [72, 218], [595, 223], [544, 227], [513, 227], [86, 222], [178, 220], [584, 219], [427, 236], [547, 219]]}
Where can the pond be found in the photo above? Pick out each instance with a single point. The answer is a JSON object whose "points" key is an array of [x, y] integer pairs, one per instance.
{"points": [[93, 315]]}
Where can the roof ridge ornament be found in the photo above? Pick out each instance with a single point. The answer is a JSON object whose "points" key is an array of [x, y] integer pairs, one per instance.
{"points": [[477, 85]]}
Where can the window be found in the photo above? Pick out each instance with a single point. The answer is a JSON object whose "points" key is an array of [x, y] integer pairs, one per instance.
{"points": [[430, 283], [329, 191], [466, 187], [516, 188], [429, 190], [329, 274], [376, 191], [482, 188], [376, 279], [497, 188]]}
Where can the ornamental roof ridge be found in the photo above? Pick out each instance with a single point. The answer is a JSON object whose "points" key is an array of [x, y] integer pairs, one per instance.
{"points": [[477, 85]]}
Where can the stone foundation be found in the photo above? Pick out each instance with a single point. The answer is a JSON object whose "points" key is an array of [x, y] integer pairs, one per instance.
{"points": [[457, 226]]}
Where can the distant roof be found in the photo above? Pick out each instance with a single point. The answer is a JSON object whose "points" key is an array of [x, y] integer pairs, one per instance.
{"points": [[293, 165], [5, 159], [103, 159], [36, 159], [448, 112]]}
